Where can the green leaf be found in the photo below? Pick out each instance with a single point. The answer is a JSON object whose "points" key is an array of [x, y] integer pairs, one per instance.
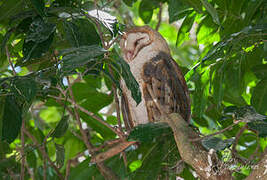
{"points": [[130, 81], [217, 143], [147, 132], [129, 2], [196, 4], [135, 165], [260, 71], [177, 10], [24, 88], [12, 119], [81, 171], [183, 33], [146, 8], [31, 159], [81, 32], [78, 57], [8, 9], [259, 97], [212, 11], [39, 5], [259, 126], [61, 127], [38, 39], [60, 155]]}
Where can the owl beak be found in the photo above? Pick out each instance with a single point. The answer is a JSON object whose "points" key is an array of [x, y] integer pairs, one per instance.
{"points": [[129, 55]]}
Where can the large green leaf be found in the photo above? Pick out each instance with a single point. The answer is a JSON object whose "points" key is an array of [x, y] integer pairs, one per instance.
{"points": [[81, 32], [61, 127], [212, 11], [39, 5], [177, 10], [78, 57], [38, 39], [183, 33], [9, 8], [196, 4], [81, 171], [24, 88], [11, 119], [130, 81], [259, 97], [146, 9]]}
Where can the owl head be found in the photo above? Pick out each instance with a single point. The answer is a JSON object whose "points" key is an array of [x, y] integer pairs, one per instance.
{"points": [[138, 41]]}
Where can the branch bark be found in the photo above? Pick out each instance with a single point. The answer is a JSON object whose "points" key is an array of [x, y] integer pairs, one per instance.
{"points": [[260, 170], [206, 164]]}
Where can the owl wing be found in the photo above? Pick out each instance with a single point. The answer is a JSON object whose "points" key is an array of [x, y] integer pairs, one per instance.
{"points": [[164, 78]]}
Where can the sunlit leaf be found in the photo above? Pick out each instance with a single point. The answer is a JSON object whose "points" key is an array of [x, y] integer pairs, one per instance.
{"points": [[183, 33], [135, 165], [109, 21], [146, 9]]}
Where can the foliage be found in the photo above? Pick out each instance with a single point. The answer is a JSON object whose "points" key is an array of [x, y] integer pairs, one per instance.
{"points": [[60, 63]]}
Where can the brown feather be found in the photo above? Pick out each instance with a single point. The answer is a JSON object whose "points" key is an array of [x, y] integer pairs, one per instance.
{"points": [[168, 86]]}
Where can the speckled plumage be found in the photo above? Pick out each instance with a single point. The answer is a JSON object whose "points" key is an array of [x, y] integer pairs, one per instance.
{"points": [[148, 56]]}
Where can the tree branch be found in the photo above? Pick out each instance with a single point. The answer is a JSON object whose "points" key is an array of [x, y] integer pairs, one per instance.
{"points": [[260, 170], [10, 63], [105, 171], [193, 153]]}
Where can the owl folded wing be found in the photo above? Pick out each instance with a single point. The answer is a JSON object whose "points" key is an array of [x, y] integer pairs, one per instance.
{"points": [[163, 79]]}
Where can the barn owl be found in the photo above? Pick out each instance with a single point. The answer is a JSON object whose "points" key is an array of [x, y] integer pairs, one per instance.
{"points": [[159, 77]]}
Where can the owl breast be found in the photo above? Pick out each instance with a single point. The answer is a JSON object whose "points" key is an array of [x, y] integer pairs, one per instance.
{"points": [[139, 113]]}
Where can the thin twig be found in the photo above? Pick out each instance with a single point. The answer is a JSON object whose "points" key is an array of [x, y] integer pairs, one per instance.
{"points": [[159, 17], [22, 167], [257, 148], [10, 63], [42, 150], [87, 112], [77, 117], [105, 171], [117, 107], [112, 151], [234, 152], [45, 167], [30, 171], [216, 133]]}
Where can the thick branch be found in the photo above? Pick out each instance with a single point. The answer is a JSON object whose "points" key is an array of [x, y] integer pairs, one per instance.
{"points": [[193, 153], [260, 170]]}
